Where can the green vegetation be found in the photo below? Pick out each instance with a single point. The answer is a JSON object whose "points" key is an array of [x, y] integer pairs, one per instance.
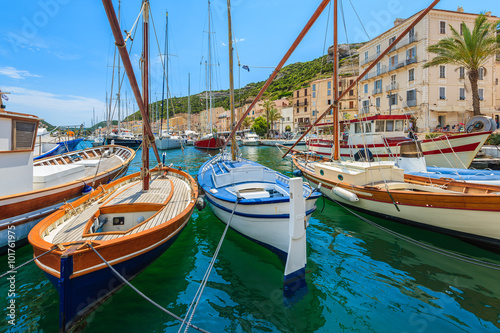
{"points": [[48, 126], [259, 126], [247, 122], [494, 139], [470, 50]]}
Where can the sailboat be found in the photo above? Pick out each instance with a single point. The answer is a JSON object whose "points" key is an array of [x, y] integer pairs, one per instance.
{"points": [[166, 140], [126, 224], [210, 140], [258, 202], [468, 211]]}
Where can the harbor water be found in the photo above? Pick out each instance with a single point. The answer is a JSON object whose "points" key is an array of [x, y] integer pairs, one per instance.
{"points": [[360, 279]]}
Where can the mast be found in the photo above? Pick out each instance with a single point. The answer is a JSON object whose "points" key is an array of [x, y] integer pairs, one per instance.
{"points": [[210, 68], [231, 81], [166, 64], [189, 102], [145, 97], [119, 77], [163, 83], [336, 154], [206, 88]]}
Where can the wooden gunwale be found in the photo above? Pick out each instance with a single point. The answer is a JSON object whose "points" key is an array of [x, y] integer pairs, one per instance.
{"points": [[38, 199], [113, 250]]}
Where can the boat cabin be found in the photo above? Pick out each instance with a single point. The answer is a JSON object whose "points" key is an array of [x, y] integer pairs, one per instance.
{"points": [[17, 140], [374, 129]]}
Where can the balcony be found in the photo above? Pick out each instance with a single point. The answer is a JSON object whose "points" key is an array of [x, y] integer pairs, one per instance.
{"points": [[383, 70], [411, 103], [391, 87], [301, 104], [404, 42], [377, 91]]}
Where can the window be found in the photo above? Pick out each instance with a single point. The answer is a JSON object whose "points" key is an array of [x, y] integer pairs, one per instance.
{"points": [[481, 94], [393, 99], [329, 85], [314, 87], [368, 127], [298, 93], [314, 94], [442, 27], [377, 87], [298, 109], [365, 89], [357, 127], [393, 62], [461, 73], [305, 92], [411, 95], [462, 94], [389, 126], [366, 56], [442, 72], [366, 107], [23, 134], [391, 40], [378, 49], [398, 126], [379, 68], [351, 92], [411, 35], [442, 93], [411, 75], [350, 82], [340, 106], [314, 103], [305, 109], [377, 102], [305, 101], [329, 102], [481, 73], [379, 125], [351, 105], [411, 55], [329, 92], [461, 29]]}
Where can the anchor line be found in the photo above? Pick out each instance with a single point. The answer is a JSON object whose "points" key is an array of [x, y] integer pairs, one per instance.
{"points": [[428, 247], [14, 270], [201, 288], [141, 294]]}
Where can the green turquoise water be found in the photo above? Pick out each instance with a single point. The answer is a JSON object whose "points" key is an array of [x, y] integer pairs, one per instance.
{"points": [[360, 279]]}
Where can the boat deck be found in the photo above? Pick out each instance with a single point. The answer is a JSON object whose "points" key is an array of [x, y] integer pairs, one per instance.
{"points": [[160, 188]]}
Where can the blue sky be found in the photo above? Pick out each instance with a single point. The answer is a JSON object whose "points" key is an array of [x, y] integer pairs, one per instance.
{"points": [[55, 55]]}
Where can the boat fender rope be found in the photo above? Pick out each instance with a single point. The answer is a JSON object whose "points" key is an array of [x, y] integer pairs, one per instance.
{"points": [[140, 293], [14, 270], [201, 288]]}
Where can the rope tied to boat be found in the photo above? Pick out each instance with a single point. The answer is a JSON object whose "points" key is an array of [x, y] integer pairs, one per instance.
{"points": [[14, 270], [140, 293], [201, 288]]}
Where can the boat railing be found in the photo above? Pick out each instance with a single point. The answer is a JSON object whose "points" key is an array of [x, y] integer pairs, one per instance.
{"points": [[285, 180]]}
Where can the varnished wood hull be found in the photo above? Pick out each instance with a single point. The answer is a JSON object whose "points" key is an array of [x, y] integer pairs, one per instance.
{"points": [[473, 214]]}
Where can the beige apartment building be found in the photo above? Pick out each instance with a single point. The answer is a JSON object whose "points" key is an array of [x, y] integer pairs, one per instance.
{"points": [[322, 97], [399, 84], [204, 118], [302, 108]]}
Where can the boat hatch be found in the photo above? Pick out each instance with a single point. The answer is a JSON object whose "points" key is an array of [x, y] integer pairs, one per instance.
{"points": [[120, 218], [255, 191]]}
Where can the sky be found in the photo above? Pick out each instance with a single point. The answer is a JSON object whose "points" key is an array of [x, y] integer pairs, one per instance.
{"points": [[56, 56]]}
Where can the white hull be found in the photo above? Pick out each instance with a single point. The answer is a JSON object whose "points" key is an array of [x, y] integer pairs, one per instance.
{"points": [[167, 143], [282, 142], [250, 143]]}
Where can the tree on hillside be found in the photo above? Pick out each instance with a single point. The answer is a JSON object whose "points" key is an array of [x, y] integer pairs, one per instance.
{"points": [[268, 105], [259, 126], [471, 50], [247, 122], [273, 116]]}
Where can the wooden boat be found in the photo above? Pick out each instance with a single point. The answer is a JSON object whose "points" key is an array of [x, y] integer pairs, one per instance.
{"points": [[34, 189], [468, 211], [382, 135], [129, 222]]}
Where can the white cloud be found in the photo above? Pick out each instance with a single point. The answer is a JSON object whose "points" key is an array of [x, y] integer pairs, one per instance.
{"points": [[56, 109], [16, 73]]}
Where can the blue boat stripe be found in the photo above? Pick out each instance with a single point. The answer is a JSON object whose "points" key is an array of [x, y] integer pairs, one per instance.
{"points": [[261, 216]]}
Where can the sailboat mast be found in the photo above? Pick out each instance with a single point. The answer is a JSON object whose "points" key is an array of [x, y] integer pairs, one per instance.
{"points": [[119, 76], [189, 102], [210, 68], [336, 136], [206, 89], [145, 97], [163, 83], [166, 64], [231, 81]]}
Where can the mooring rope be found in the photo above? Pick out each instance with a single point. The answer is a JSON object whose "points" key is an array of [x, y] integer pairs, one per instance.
{"points": [[14, 270], [201, 288], [141, 294], [431, 248]]}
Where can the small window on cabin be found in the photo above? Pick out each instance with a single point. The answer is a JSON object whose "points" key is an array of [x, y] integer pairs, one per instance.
{"points": [[398, 126], [379, 125], [389, 126], [23, 135], [357, 128], [368, 127]]}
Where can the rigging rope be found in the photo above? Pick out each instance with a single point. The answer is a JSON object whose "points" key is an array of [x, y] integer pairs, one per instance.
{"points": [[140, 293], [199, 292]]}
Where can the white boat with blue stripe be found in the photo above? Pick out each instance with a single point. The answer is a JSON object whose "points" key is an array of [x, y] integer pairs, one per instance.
{"points": [[260, 198]]}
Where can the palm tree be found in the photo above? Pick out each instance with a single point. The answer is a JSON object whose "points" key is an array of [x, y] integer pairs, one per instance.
{"points": [[273, 116], [247, 122], [268, 105], [471, 50]]}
